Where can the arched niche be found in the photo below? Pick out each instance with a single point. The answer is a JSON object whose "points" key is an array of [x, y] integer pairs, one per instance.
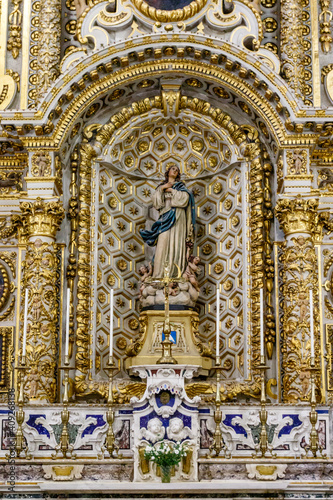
{"points": [[228, 168]]}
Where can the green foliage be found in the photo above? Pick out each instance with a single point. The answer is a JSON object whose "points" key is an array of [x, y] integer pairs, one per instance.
{"points": [[166, 453]]}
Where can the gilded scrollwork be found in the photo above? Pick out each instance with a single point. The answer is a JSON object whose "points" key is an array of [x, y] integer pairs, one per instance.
{"points": [[10, 182], [9, 227], [135, 348], [228, 390], [203, 349]]}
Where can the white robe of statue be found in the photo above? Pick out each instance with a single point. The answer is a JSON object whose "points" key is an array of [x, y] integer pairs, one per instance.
{"points": [[171, 245]]}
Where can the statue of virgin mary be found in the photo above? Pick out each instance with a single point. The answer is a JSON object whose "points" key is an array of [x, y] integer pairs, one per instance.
{"points": [[172, 233]]}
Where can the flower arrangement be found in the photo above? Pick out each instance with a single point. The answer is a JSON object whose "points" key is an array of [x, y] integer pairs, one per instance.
{"points": [[166, 455]]}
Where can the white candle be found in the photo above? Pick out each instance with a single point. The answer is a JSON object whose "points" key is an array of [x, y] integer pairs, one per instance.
{"points": [[311, 323], [262, 340], [67, 322], [25, 324], [111, 324], [218, 321]]}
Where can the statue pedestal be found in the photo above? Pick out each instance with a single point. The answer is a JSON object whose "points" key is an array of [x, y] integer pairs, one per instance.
{"points": [[187, 349]]}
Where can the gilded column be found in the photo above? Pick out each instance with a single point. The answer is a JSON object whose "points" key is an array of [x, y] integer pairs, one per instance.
{"points": [[298, 218], [292, 45], [40, 222], [48, 58]]}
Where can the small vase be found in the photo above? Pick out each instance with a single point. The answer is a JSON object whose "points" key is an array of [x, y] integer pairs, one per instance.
{"points": [[166, 473]]}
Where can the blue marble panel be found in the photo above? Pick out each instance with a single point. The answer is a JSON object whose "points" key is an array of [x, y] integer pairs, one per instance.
{"points": [[187, 420], [99, 423], [38, 426], [237, 427], [296, 422]]}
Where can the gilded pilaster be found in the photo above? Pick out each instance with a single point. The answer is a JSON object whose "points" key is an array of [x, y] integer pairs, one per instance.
{"points": [[297, 218], [48, 59], [292, 45], [40, 222]]}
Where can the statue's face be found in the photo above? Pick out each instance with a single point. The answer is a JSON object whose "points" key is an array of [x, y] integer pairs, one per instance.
{"points": [[196, 260], [173, 172]]}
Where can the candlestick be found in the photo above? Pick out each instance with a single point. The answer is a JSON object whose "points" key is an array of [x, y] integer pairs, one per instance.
{"points": [[25, 325], [218, 322], [311, 324], [67, 324], [262, 340], [111, 324]]}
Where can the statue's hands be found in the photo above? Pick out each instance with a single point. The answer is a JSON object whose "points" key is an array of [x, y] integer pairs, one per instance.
{"points": [[167, 187]]}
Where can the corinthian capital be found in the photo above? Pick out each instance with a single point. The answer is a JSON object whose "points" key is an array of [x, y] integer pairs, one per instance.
{"points": [[297, 215], [41, 218]]}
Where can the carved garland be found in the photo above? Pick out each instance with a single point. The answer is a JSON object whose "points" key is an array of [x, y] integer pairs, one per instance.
{"points": [[247, 139]]}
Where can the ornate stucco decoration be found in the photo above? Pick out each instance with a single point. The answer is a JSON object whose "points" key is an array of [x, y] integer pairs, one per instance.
{"points": [[242, 26]]}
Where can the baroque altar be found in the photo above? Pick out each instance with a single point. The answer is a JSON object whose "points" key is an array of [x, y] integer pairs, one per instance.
{"points": [[166, 253]]}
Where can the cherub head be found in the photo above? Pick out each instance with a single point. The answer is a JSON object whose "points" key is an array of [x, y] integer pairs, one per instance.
{"points": [[143, 270], [155, 426], [176, 425], [194, 260]]}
